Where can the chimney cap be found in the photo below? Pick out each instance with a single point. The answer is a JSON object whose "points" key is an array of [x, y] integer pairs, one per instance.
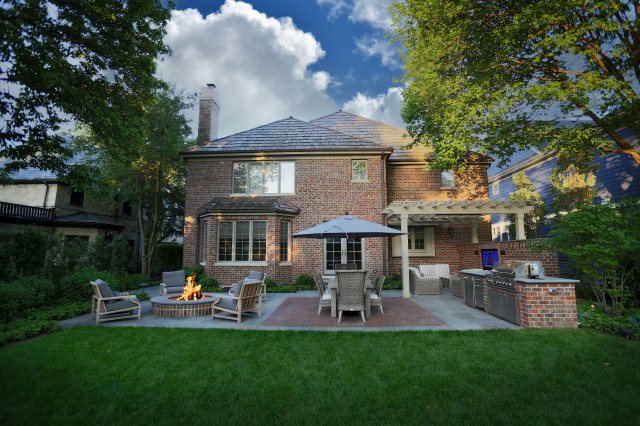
{"points": [[211, 85]]}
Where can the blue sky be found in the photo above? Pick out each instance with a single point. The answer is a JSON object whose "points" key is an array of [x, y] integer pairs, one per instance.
{"points": [[271, 59]]}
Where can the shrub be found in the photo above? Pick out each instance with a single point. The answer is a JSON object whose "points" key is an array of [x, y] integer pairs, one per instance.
{"points": [[130, 282], [197, 270], [305, 282], [393, 282], [284, 288], [592, 315], [77, 287], [23, 294], [270, 282], [142, 296], [23, 329], [210, 285], [65, 258], [23, 251], [120, 255]]}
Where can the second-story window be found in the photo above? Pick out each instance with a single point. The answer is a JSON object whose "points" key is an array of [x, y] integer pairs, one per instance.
{"points": [[448, 180], [77, 198], [126, 208], [273, 177], [359, 171]]}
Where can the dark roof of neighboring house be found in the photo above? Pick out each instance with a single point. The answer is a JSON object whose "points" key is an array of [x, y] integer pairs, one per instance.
{"points": [[375, 131], [87, 220], [289, 134], [240, 205]]}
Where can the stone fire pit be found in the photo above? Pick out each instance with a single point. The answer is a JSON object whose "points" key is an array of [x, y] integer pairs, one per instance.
{"points": [[164, 306]]}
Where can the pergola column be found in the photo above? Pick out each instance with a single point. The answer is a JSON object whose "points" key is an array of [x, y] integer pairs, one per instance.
{"points": [[474, 232], [520, 234], [404, 240]]}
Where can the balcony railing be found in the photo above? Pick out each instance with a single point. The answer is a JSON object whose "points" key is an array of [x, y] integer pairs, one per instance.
{"points": [[26, 212]]}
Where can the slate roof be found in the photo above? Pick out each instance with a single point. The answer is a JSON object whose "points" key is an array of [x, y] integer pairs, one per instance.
{"points": [[87, 220], [240, 205], [381, 133], [289, 134]]}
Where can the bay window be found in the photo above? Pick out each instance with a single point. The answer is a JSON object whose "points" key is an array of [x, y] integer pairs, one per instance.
{"points": [[242, 241]]}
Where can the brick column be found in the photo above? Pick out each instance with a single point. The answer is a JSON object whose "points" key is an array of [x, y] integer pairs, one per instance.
{"points": [[549, 304]]}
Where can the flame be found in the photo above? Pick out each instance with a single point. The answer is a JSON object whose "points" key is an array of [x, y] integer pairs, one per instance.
{"points": [[191, 291]]}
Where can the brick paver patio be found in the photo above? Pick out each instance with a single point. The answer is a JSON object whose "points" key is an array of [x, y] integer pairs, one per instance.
{"points": [[398, 312]]}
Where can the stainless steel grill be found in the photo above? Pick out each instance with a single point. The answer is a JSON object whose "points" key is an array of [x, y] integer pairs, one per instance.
{"points": [[504, 275]]}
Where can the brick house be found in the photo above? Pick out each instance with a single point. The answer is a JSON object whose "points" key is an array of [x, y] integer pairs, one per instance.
{"points": [[247, 193]]}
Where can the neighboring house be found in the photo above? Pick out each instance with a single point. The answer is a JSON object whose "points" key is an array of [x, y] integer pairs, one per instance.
{"points": [[247, 194], [618, 176], [38, 198]]}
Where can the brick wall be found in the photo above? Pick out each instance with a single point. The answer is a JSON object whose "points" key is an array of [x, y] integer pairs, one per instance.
{"points": [[470, 255], [538, 307]]}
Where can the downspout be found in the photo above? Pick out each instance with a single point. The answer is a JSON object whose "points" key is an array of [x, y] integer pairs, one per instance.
{"points": [[46, 195], [383, 193]]}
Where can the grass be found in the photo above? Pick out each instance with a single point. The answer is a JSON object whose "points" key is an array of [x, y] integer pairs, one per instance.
{"points": [[121, 375]]}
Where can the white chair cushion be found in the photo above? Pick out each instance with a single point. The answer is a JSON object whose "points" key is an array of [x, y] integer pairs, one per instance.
{"points": [[427, 270], [374, 296], [326, 296], [441, 270]]}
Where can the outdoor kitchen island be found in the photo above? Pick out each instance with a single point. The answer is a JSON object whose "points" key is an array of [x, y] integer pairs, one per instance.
{"points": [[519, 292]]}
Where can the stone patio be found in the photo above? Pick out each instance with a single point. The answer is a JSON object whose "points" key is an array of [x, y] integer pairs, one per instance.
{"points": [[298, 311]]}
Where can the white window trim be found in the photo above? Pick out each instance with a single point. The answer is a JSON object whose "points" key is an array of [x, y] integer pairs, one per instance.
{"points": [[429, 244], [233, 246], [263, 194], [366, 171]]}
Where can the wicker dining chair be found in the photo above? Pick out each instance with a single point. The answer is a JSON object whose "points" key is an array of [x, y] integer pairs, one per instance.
{"points": [[324, 297], [351, 287], [376, 297]]}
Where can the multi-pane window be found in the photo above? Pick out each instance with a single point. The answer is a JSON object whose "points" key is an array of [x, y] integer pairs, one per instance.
{"points": [[285, 236], [77, 198], [359, 170], [448, 179], [242, 241], [416, 239], [421, 242], [259, 177]]}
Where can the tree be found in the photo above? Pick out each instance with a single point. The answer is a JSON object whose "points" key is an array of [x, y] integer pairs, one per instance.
{"points": [[500, 76], [532, 221], [603, 243], [571, 189], [154, 182], [63, 62]]}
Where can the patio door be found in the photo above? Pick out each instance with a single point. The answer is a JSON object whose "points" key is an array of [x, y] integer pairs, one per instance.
{"points": [[342, 250]]}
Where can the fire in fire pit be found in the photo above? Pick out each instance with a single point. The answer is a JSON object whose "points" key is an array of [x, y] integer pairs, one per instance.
{"points": [[190, 291]]}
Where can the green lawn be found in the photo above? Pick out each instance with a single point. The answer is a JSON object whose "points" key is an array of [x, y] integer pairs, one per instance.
{"points": [[104, 375]]}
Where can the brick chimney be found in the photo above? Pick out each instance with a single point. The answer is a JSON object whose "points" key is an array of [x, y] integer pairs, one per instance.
{"points": [[209, 114]]}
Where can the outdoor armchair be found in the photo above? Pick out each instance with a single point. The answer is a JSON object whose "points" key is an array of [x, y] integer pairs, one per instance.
{"points": [[172, 282], [109, 305], [351, 288], [232, 307], [252, 277], [376, 297], [420, 284], [324, 296]]}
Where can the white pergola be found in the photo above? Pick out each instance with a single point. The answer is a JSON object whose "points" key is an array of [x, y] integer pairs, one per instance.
{"points": [[404, 213]]}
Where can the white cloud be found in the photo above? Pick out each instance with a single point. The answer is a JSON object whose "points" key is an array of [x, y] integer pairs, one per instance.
{"points": [[374, 12], [384, 108], [259, 64], [372, 46]]}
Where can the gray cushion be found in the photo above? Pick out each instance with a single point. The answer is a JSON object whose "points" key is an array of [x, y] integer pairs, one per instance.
{"points": [[114, 305], [255, 276], [175, 289], [227, 304], [105, 290], [174, 278]]}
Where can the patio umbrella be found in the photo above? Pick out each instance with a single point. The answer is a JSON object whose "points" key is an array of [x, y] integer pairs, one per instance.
{"points": [[348, 227]]}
